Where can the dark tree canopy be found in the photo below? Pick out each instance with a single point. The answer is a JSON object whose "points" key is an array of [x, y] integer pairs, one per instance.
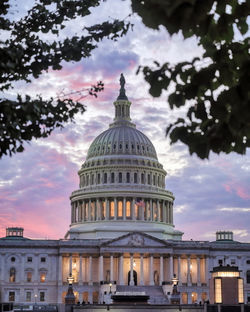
{"points": [[24, 56], [215, 86]]}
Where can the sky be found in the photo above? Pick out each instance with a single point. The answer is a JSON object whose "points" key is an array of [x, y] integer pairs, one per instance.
{"points": [[35, 185]]}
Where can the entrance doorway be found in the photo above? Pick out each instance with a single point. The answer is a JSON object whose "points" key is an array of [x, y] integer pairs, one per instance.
{"points": [[134, 277]]}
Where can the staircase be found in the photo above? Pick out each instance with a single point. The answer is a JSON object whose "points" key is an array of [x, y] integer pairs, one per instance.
{"points": [[155, 293]]}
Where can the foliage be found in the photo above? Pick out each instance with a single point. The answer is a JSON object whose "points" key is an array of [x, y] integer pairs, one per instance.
{"points": [[214, 87], [25, 55]]}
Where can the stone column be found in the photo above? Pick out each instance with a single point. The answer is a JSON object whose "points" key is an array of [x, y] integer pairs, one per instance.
{"points": [[79, 211], [133, 209], [106, 209], [179, 271], [141, 271], [198, 272], [98, 210], [89, 210], [161, 270], [115, 208], [151, 210], [90, 271], [151, 271], [72, 213], [158, 210], [111, 268], [207, 270], [121, 280], [171, 267], [70, 264], [101, 268], [94, 210], [83, 210], [80, 270], [131, 283], [124, 208], [188, 271], [36, 268], [22, 268], [146, 209], [164, 215], [60, 270]]}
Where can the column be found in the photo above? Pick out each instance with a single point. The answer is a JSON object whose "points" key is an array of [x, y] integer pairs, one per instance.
{"points": [[131, 283], [60, 270], [94, 210], [171, 268], [151, 273], [106, 209], [80, 270], [22, 268], [164, 215], [89, 210], [79, 211], [151, 210], [158, 210], [98, 210], [36, 268], [146, 207], [141, 272], [121, 270], [207, 270], [83, 210], [90, 271], [179, 271], [72, 213], [133, 209], [198, 272], [124, 209], [161, 270], [188, 272], [101, 268], [115, 208], [111, 268]]}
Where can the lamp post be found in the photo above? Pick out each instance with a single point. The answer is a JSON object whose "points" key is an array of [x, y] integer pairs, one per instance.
{"points": [[35, 298], [70, 297], [110, 287], [175, 296]]}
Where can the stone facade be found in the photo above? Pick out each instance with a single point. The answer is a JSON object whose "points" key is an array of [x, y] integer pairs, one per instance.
{"points": [[121, 236]]}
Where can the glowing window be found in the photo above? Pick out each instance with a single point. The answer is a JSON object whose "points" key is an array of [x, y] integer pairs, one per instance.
{"points": [[29, 277], [226, 274], [119, 209], [217, 290], [12, 275], [128, 209], [136, 212], [112, 209], [42, 277], [240, 291]]}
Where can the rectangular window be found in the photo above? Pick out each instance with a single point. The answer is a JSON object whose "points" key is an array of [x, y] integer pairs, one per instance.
{"points": [[120, 177], [42, 296], [112, 209], [217, 290], [98, 178], [112, 177], [142, 178], [28, 296], [136, 212], [11, 296], [128, 209], [43, 259], [29, 259], [240, 291], [29, 277], [103, 210], [42, 277], [135, 177], [119, 209]]}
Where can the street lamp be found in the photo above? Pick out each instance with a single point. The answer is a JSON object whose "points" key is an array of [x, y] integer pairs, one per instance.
{"points": [[35, 298], [70, 297], [110, 286]]}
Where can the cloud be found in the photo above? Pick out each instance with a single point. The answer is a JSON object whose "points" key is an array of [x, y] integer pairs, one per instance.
{"points": [[234, 209]]}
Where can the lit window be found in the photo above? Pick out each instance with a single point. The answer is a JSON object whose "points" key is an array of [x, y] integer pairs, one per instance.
{"points": [[119, 209], [28, 296], [11, 296], [29, 277], [240, 291], [42, 277], [218, 296], [42, 296], [112, 209], [12, 275], [128, 209]]}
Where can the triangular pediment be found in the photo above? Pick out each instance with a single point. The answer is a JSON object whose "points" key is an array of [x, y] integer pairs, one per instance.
{"points": [[136, 239]]}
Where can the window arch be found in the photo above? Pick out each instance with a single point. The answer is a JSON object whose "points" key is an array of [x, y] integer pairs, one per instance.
{"points": [[12, 275]]}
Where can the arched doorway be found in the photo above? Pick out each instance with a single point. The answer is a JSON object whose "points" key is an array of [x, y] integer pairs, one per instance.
{"points": [[134, 277]]}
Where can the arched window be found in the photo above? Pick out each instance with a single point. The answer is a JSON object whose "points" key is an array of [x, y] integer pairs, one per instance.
{"points": [[149, 182], [12, 275], [128, 177], [248, 277], [142, 178], [135, 177], [120, 177], [98, 178], [105, 178], [112, 177]]}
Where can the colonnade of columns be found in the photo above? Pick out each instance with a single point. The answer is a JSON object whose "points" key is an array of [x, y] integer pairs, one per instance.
{"points": [[122, 208], [165, 269]]}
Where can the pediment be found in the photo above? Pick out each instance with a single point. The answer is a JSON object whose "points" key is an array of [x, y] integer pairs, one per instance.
{"points": [[136, 239]]}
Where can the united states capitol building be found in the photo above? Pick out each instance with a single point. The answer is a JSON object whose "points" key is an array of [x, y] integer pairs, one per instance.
{"points": [[122, 236]]}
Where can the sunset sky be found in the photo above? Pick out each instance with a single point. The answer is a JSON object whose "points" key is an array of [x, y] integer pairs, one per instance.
{"points": [[35, 185]]}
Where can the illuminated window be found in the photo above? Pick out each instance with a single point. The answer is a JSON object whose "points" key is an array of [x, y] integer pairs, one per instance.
{"points": [[240, 291], [86, 211], [226, 274], [203, 297], [119, 209], [155, 211], [128, 209], [149, 216], [103, 210], [29, 277], [42, 277], [217, 290], [184, 298], [136, 212], [92, 210], [12, 275], [194, 296], [161, 219], [42, 296], [28, 296], [112, 209], [11, 296]]}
